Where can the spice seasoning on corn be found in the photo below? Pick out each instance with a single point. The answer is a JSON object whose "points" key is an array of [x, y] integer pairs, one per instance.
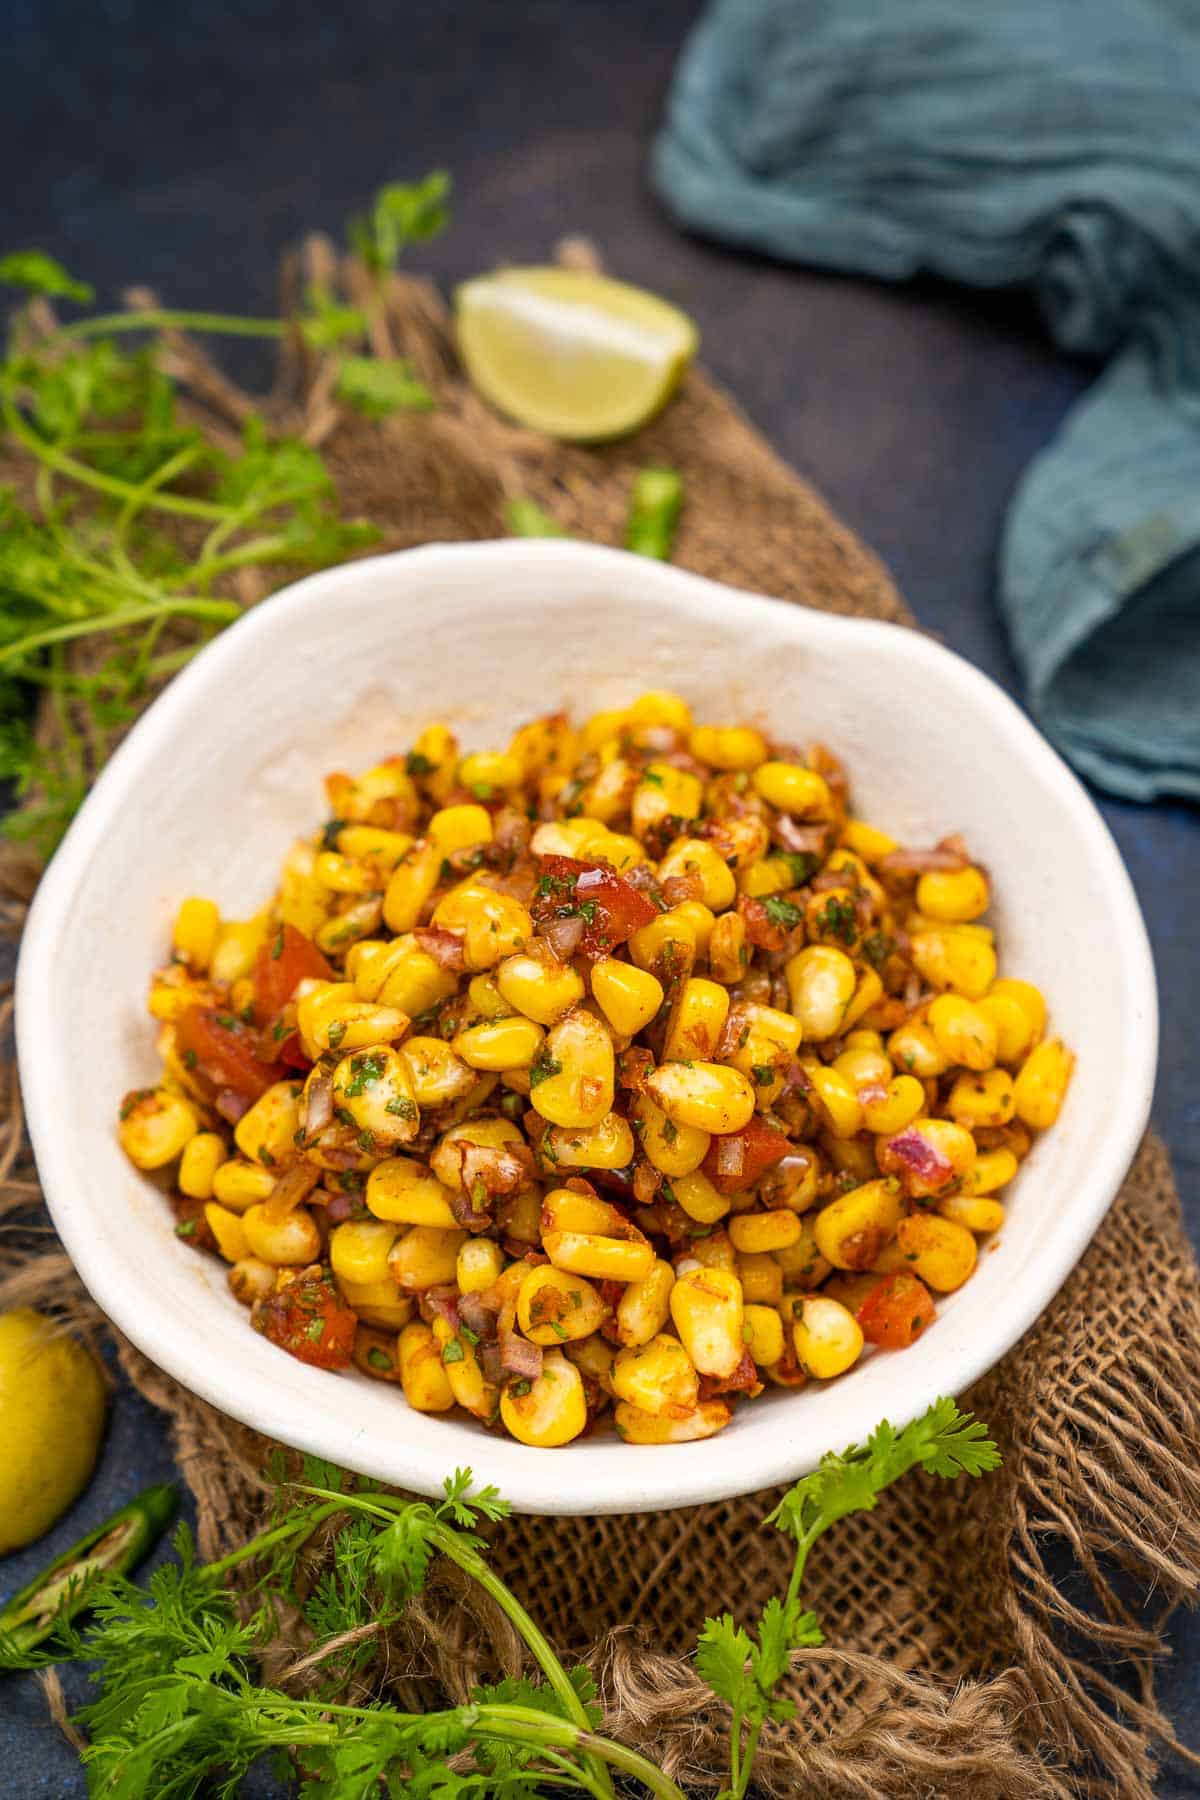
{"points": [[610, 1076]]}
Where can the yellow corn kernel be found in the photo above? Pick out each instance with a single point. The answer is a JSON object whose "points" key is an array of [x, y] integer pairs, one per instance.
{"points": [[411, 886], [1030, 1000], [851, 1230], [554, 1306], [568, 837], [267, 1130], [712, 1251], [156, 1127], [607, 795], [727, 949], [794, 1181], [890, 1109], [330, 1016], [398, 974], [868, 990], [538, 985], [346, 874], [250, 1280], [371, 844], [608, 1145], [941, 1252], [1041, 1085], [426, 1256], [422, 1373], [850, 1156], [578, 1090], [459, 828], [769, 875], [599, 1258], [594, 1359], [756, 1233], [695, 856], [202, 1157], [545, 743], [637, 1427], [488, 1002], [829, 917], [706, 1306], [290, 1242], [491, 1134], [802, 1263], [549, 1411], [480, 1263], [955, 957], [664, 792], [843, 1110], [992, 1169], [697, 920], [377, 1302], [761, 1278], [827, 1336], [649, 942], [977, 1214], [698, 1197], [731, 748], [464, 1372], [374, 1089], [821, 983], [194, 938], [914, 1047], [495, 770], [659, 707], [229, 1231], [791, 788], [931, 1153], [239, 1185], [740, 841], [867, 841], [301, 901], [493, 925], [673, 1149], [436, 1074], [434, 760], [697, 1022], [359, 1250], [621, 850], [628, 996], [564, 1209], [964, 1034], [1010, 1022], [656, 1376], [985, 1099], [356, 797], [953, 896], [349, 926], [644, 1308], [522, 1217], [864, 1066], [510, 1043], [763, 1332], [707, 1096]]}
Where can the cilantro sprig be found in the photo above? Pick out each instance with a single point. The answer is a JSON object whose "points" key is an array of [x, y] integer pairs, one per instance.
{"points": [[179, 1709]]}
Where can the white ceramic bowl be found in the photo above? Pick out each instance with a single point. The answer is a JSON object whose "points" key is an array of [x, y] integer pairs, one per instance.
{"points": [[224, 771]]}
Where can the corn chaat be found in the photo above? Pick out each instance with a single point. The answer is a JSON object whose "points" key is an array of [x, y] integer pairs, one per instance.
{"points": [[611, 1077]]}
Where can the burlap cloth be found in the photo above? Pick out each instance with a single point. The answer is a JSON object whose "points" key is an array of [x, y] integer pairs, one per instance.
{"points": [[991, 1639]]}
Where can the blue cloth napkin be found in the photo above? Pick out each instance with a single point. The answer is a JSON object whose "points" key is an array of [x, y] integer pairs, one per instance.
{"points": [[1048, 142]]}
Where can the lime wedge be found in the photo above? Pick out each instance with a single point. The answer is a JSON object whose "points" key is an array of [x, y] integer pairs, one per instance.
{"points": [[571, 353]]}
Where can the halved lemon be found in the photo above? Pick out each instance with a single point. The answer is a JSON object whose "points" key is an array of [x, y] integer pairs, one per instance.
{"points": [[573, 354]]}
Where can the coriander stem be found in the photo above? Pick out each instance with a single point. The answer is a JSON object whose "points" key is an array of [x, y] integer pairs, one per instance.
{"points": [[268, 1539], [223, 610], [86, 476], [521, 1724], [166, 319], [747, 1761]]}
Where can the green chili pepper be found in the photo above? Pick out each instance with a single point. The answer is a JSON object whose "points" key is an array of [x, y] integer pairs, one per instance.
{"points": [[654, 513], [113, 1548], [525, 518]]}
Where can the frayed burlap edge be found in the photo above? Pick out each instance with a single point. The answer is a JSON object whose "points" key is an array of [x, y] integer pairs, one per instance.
{"points": [[996, 1640]]}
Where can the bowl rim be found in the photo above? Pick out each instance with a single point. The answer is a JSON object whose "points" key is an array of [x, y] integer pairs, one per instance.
{"points": [[660, 1483]]}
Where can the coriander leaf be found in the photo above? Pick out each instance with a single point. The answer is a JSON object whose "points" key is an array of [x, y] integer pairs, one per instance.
{"points": [[327, 322], [400, 214], [722, 1654], [381, 388], [41, 274], [781, 912]]}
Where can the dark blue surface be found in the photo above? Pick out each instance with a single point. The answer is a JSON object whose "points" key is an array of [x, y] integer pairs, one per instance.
{"points": [[187, 145]]}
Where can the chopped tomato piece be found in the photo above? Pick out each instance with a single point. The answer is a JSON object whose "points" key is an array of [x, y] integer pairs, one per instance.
{"points": [[737, 1159], [309, 1320], [287, 958], [610, 908], [896, 1312], [291, 1053], [218, 1048]]}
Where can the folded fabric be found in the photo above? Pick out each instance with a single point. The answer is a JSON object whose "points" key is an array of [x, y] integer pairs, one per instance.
{"points": [[1048, 142]]}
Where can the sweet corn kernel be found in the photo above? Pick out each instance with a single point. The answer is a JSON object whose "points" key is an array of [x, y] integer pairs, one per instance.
{"points": [[714, 1250], [399, 974], [1041, 1085], [763, 1332], [573, 1079], [359, 1250], [664, 792], [368, 843], [377, 1302], [644, 1307], [740, 841], [238, 943], [941, 1252], [659, 707], [868, 991], [851, 1231], [156, 1127], [986, 1099], [510, 1043], [426, 1256], [964, 1033], [437, 1075], [696, 1194], [480, 1263], [756, 1233], [656, 1377], [792, 788], [867, 841], [977, 1214], [1030, 1000], [706, 1306], [547, 743], [594, 1359], [266, 1132], [493, 925], [727, 955], [889, 1109], [728, 747], [411, 886], [761, 1278], [228, 1229], [794, 1181], [650, 943], [927, 1156], [250, 1280], [464, 1371], [673, 1149], [422, 1373], [835, 1096], [459, 828], [598, 1257], [802, 1263], [827, 1337], [194, 938], [914, 1047], [238, 1185], [347, 875], [697, 857], [821, 983], [489, 1134], [566, 1209], [549, 1411], [488, 772], [554, 1306], [992, 1169], [956, 957], [707, 1096], [202, 1157], [864, 1067], [434, 759], [953, 896], [330, 1016], [608, 1145], [628, 996], [290, 1242], [539, 986], [637, 1427], [697, 1022], [769, 875]]}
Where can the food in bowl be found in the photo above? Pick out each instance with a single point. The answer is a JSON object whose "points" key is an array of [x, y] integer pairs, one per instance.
{"points": [[620, 1069]]}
